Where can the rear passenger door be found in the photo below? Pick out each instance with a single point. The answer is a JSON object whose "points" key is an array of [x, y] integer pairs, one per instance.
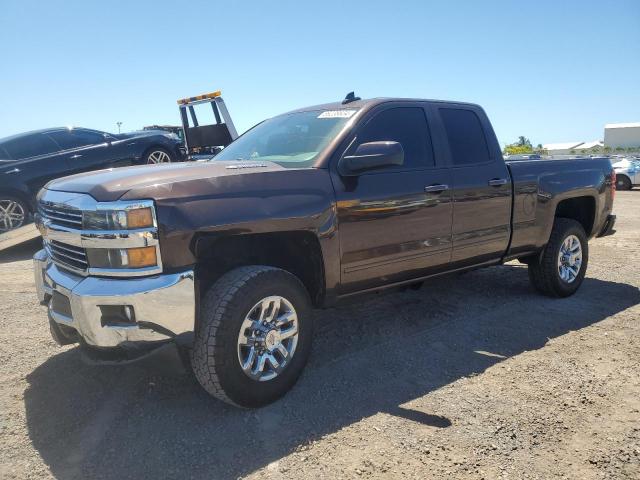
{"points": [[481, 187], [390, 228]]}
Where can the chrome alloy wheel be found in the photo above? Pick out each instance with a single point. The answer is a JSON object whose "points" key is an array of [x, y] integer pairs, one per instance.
{"points": [[158, 156], [268, 338], [570, 259], [12, 215]]}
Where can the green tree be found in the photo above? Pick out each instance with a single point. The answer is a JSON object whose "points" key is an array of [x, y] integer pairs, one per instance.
{"points": [[524, 142], [517, 150], [521, 147]]}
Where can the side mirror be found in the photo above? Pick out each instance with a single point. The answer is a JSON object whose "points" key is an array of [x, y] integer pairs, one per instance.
{"points": [[107, 138], [372, 155]]}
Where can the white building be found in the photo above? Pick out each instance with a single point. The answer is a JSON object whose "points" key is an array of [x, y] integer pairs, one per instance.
{"points": [[622, 135], [587, 146], [561, 148]]}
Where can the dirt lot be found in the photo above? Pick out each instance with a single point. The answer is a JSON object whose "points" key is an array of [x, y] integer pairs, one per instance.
{"points": [[473, 376]]}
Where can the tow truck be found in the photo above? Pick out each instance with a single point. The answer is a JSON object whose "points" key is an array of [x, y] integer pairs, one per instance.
{"points": [[204, 140]]}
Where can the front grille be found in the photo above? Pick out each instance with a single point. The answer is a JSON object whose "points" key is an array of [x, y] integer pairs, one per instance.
{"points": [[67, 255], [62, 215]]}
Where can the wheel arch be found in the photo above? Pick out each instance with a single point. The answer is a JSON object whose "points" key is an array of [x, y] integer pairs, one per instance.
{"points": [[624, 175], [23, 196], [159, 146], [298, 252], [581, 209]]}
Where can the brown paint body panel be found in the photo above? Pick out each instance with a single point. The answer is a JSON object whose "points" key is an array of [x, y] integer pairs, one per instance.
{"points": [[375, 229]]}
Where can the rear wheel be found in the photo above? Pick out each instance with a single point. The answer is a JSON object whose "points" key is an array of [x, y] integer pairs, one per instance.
{"points": [[157, 155], [559, 269], [623, 182], [254, 338], [14, 213]]}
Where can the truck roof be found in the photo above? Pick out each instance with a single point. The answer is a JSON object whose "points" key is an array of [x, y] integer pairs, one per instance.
{"points": [[371, 102]]}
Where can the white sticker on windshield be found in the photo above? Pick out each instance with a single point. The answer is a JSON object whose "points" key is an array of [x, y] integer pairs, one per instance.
{"points": [[337, 114]]}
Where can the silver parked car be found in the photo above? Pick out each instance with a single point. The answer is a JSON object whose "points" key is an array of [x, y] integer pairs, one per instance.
{"points": [[627, 173]]}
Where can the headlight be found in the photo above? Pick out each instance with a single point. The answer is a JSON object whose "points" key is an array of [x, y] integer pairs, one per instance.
{"points": [[118, 219], [122, 257]]}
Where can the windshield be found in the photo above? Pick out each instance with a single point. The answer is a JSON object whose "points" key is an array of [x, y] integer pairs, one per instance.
{"points": [[293, 141]]}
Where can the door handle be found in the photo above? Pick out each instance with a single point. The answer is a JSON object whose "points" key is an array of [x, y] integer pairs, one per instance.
{"points": [[436, 188], [496, 182], [73, 157]]}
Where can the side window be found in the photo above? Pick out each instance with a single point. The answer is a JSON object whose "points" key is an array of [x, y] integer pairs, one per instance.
{"points": [[467, 142], [76, 138], [407, 126], [30, 146]]}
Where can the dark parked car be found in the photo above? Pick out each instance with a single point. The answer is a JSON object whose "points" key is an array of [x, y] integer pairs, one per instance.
{"points": [[226, 258], [29, 160], [166, 128]]}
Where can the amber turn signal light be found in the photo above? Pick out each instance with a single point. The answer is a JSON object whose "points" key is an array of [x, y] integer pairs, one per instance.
{"points": [[139, 218], [141, 257]]}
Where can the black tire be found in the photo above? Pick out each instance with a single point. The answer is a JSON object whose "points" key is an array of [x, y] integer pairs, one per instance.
{"points": [[543, 271], [224, 308], [8, 225], [153, 152], [623, 182]]}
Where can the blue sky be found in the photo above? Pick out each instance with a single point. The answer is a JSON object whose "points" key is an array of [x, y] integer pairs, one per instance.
{"points": [[550, 70]]}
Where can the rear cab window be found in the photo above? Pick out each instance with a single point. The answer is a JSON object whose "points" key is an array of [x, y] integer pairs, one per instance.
{"points": [[405, 125], [466, 137]]}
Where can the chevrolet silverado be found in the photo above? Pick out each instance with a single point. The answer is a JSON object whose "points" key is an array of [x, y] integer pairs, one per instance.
{"points": [[225, 258]]}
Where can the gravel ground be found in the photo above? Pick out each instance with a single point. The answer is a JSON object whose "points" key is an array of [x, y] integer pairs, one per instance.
{"points": [[472, 376]]}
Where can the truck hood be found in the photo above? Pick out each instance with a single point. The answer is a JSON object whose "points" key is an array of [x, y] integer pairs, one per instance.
{"points": [[111, 184]]}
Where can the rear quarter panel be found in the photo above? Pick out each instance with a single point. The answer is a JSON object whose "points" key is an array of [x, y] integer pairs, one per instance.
{"points": [[540, 185]]}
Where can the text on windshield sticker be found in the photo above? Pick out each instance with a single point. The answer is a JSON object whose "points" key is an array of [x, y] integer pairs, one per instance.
{"points": [[337, 114]]}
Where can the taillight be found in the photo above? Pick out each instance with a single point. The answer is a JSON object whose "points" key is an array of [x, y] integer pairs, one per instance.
{"points": [[613, 184]]}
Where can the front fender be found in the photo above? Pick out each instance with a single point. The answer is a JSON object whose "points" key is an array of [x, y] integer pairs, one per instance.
{"points": [[285, 200]]}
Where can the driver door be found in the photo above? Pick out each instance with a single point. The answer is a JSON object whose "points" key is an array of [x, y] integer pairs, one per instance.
{"points": [[395, 222]]}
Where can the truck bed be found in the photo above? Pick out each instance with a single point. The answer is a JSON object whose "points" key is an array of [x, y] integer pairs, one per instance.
{"points": [[540, 187]]}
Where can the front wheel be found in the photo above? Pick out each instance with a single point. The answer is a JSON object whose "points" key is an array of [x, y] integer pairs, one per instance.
{"points": [[14, 213], [623, 182], [254, 336], [559, 270], [157, 155]]}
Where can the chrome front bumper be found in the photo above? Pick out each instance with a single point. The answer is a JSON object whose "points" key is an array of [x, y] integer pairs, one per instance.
{"points": [[163, 305]]}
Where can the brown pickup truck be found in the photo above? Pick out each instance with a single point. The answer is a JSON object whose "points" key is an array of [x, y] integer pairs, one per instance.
{"points": [[225, 258]]}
